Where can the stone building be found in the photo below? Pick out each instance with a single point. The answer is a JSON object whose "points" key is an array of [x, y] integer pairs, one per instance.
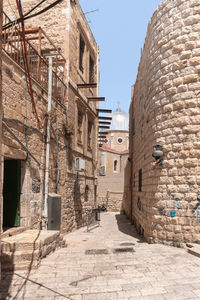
{"points": [[71, 170], [164, 118], [113, 155], [1, 6]]}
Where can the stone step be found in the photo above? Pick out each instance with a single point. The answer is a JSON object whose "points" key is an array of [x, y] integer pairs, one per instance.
{"points": [[12, 231], [29, 240], [193, 249], [8, 267], [26, 249], [20, 256]]}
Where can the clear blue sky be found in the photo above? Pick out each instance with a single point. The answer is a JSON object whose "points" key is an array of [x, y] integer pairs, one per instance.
{"points": [[119, 28]]}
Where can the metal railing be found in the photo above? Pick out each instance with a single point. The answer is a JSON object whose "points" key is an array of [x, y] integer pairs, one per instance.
{"points": [[12, 44], [93, 219]]}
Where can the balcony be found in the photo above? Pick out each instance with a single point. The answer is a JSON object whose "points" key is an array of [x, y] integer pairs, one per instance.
{"points": [[38, 52]]}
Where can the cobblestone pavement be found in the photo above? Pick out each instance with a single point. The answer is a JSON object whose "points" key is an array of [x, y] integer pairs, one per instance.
{"points": [[93, 268]]}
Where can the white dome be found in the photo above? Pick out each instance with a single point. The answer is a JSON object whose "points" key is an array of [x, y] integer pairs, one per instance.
{"points": [[120, 121]]}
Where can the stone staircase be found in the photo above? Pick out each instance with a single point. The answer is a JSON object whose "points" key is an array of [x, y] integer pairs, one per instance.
{"points": [[25, 250]]}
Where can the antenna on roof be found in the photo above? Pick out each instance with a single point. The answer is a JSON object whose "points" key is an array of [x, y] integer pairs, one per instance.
{"points": [[118, 103], [91, 11]]}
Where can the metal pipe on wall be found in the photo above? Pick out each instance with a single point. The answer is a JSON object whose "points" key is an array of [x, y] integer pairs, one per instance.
{"points": [[131, 157], [46, 184]]}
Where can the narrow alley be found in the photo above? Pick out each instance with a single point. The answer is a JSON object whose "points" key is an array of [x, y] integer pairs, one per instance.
{"points": [[108, 262]]}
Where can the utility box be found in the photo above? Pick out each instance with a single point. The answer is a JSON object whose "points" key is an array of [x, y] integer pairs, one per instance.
{"points": [[80, 164], [54, 211]]}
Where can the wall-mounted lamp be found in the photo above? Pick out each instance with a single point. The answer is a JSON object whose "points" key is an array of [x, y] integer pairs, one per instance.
{"points": [[158, 154]]}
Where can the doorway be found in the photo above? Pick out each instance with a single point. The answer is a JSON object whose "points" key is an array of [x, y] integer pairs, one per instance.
{"points": [[11, 193]]}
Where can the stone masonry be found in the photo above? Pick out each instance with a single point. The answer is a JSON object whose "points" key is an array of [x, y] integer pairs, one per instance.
{"points": [[112, 160], [166, 110], [1, 6], [75, 138], [93, 267]]}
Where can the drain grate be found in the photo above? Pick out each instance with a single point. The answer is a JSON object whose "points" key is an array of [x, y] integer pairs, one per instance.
{"points": [[122, 250], [96, 251], [127, 244]]}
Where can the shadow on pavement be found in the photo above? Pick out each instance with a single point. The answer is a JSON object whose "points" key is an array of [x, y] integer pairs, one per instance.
{"points": [[125, 226], [7, 270]]}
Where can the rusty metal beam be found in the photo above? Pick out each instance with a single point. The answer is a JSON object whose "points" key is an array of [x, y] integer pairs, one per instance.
{"points": [[104, 110], [102, 134], [27, 39], [96, 99], [104, 118], [106, 127], [86, 85], [104, 123]]}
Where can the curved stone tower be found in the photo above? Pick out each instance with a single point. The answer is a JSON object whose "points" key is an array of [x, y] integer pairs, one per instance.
{"points": [[166, 111]]}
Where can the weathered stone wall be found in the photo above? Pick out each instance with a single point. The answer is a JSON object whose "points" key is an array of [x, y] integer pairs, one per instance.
{"points": [[110, 191], [166, 109], [1, 187], [126, 201], [78, 191], [112, 140]]}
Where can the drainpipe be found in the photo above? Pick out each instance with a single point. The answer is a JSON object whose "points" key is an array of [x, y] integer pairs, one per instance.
{"points": [[131, 157], [46, 186], [1, 154], [57, 159]]}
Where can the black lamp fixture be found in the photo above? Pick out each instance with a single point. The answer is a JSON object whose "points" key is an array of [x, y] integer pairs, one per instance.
{"points": [[158, 154]]}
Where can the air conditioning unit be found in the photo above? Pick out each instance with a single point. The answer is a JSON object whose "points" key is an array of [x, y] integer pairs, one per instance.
{"points": [[102, 171], [80, 164]]}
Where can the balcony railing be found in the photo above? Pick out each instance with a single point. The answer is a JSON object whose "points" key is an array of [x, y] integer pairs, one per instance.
{"points": [[38, 58]]}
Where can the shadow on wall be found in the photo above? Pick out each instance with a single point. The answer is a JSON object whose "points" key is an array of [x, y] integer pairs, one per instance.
{"points": [[126, 203], [21, 280], [78, 208], [8, 269], [124, 226]]}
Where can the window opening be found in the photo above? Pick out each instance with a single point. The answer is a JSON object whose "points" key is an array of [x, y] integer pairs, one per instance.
{"points": [[86, 193], [120, 140], [140, 181], [115, 165], [81, 53], [91, 74], [80, 125], [90, 125]]}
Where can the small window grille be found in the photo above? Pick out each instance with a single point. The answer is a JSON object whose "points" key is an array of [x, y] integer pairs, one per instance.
{"points": [[81, 53], [91, 74], [140, 181], [115, 165]]}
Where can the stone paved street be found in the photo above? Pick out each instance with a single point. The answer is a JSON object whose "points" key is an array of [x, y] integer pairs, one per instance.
{"points": [[150, 272]]}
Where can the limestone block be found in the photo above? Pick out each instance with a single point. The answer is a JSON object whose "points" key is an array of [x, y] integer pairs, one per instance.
{"points": [[190, 196], [180, 104], [172, 172], [168, 108], [193, 86], [178, 81], [191, 129], [178, 48], [185, 55], [189, 45], [191, 20], [194, 61], [177, 229]]}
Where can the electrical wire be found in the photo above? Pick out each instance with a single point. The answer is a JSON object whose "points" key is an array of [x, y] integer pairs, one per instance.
{"points": [[26, 16]]}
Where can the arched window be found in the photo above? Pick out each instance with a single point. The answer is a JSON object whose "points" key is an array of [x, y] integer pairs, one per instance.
{"points": [[115, 165]]}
